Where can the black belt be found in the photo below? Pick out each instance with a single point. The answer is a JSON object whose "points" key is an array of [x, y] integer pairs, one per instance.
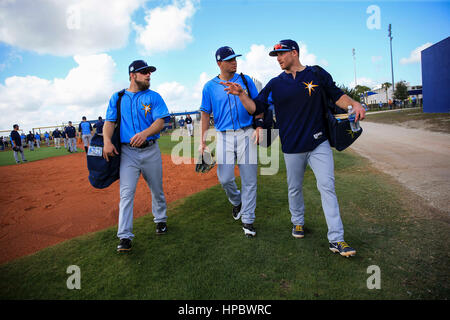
{"points": [[146, 144]]}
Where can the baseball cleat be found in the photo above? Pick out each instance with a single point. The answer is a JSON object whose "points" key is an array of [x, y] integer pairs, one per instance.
{"points": [[124, 245], [161, 228], [342, 248], [249, 230], [236, 211], [298, 232]]}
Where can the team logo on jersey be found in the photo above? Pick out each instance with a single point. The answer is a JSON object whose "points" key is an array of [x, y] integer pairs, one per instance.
{"points": [[310, 86], [147, 108]]}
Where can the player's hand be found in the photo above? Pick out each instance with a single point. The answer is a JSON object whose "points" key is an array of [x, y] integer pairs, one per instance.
{"points": [[257, 135], [202, 147], [138, 139], [109, 150], [360, 112], [233, 88]]}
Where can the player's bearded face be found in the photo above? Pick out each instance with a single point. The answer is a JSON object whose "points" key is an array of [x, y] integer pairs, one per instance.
{"points": [[142, 81]]}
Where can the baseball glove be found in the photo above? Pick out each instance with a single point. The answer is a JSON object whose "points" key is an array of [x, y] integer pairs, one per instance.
{"points": [[205, 162], [15, 148]]}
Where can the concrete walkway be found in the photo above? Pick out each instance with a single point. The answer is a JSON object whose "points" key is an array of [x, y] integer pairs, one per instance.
{"points": [[417, 158]]}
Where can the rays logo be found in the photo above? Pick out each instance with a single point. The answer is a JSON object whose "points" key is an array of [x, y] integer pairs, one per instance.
{"points": [[147, 108]]}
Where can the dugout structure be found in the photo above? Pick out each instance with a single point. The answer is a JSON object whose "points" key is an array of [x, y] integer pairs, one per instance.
{"points": [[436, 77]]}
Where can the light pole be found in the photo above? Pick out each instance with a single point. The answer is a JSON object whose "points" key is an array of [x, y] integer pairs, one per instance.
{"points": [[392, 64], [354, 64]]}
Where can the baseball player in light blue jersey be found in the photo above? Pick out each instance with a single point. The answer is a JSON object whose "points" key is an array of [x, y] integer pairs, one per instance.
{"points": [[37, 136], [85, 132], [235, 135], [47, 138], [143, 113]]}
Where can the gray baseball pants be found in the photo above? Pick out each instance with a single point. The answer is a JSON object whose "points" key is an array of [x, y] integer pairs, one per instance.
{"points": [[321, 162], [133, 162], [16, 155], [72, 144], [237, 146]]}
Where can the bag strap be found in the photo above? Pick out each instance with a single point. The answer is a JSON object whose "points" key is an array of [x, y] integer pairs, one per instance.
{"points": [[119, 116], [316, 70]]}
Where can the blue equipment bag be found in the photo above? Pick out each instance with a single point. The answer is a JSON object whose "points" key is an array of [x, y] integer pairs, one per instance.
{"points": [[103, 173]]}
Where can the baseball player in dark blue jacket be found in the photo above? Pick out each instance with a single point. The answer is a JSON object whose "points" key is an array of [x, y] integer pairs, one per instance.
{"points": [[16, 143], [296, 96]]}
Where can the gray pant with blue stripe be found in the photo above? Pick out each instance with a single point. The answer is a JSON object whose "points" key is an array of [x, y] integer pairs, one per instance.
{"points": [[236, 146], [321, 162], [133, 162]]}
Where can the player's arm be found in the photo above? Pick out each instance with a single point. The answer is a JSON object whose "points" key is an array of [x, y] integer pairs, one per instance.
{"points": [[204, 128], [344, 101], [108, 148], [236, 89], [139, 138]]}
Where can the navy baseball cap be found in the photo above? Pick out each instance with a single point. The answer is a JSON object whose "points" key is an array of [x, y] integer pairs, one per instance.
{"points": [[139, 65], [284, 45], [225, 53]]}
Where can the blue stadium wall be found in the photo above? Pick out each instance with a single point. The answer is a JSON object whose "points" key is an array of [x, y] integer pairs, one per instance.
{"points": [[436, 77]]}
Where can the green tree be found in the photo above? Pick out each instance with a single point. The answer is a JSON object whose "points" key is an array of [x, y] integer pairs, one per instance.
{"points": [[350, 92], [361, 89], [386, 87], [401, 91]]}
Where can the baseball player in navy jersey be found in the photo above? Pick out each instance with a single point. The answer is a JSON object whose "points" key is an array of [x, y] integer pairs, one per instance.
{"points": [[71, 136], [30, 140], [16, 144], [181, 122], [189, 125], [296, 96], [143, 113], [236, 138], [85, 132], [57, 138]]}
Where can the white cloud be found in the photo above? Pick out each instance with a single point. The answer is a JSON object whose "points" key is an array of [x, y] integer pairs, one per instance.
{"points": [[179, 98], [415, 55], [364, 82], [67, 27], [167, 28], [85, 91], [376, 59]]}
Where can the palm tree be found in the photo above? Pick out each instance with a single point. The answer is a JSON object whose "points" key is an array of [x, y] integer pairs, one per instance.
{"points": [[386, 87]]}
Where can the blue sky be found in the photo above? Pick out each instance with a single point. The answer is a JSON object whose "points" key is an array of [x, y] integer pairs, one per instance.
{"points": [[61, 60]]}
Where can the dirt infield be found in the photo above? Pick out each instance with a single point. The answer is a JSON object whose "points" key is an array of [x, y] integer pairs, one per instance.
{"points": [[49, 201]]}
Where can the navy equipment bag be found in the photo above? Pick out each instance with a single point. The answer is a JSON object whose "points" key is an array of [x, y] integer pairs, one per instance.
{"points": [[103, 173], [339, 132]]}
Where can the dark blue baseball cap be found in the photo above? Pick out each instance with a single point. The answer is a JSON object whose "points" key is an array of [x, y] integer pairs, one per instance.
{"points": [[225, 53], [284, 45], [139, 65]]}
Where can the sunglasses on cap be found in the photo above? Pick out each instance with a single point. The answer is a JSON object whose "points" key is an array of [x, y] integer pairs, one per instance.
{"points": [[145, 71], [279, 46]]}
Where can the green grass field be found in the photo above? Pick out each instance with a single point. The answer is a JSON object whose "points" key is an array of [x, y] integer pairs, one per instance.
{"points": [[7, 156], [413, 118], [205, 254]]}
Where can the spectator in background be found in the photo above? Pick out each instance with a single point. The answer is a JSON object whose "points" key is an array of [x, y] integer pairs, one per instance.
{"points": [[181, 122], [24, 138], [99, 126], [2, 146], [63, 136]]}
